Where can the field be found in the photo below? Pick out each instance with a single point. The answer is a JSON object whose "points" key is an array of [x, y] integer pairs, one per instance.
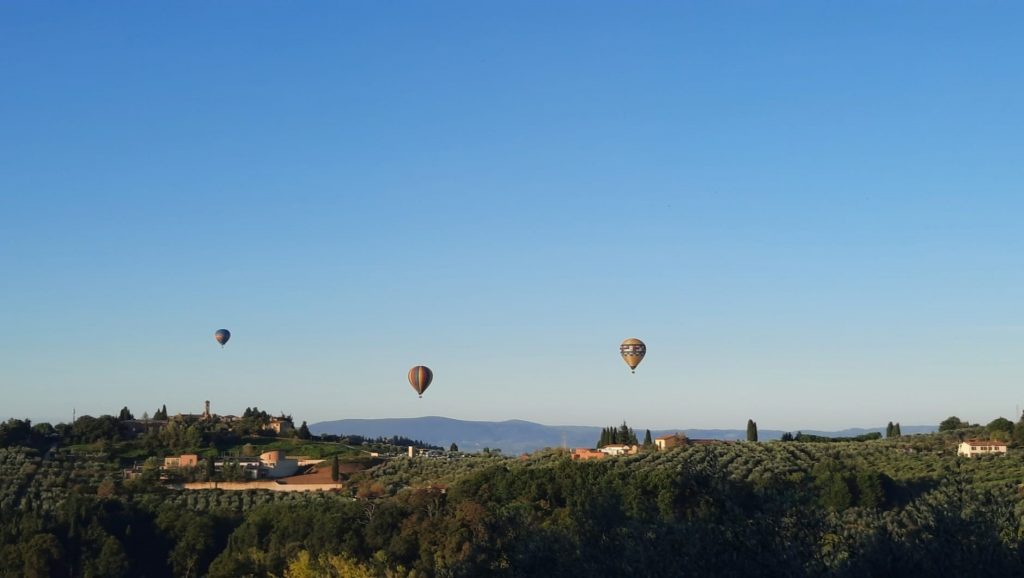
{"points": [[905, 506]]}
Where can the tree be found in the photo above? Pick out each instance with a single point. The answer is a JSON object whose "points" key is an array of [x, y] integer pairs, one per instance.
{"points": [[889, 430], [622, 434], [1018, 431], [626, 435], [303, 432], [648, 442], [835, 492], [15, 432], [951, 423], [42, 555], [1000, 424], [751, 430], [896, 430], [88, 429], [106, 488], [145, 416], [232, 470], [112, 561], [192, 536], [453, 447], [211, 469], [44, 430], [335, 474], [869, 489], [125, 414]]}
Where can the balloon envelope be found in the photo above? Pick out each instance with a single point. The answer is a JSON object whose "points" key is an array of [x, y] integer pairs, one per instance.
{"points": [[222, 336], [633, 351], [420, 378]]}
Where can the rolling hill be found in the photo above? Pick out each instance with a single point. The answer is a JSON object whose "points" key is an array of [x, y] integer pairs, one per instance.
{"points": [[515, 436]]}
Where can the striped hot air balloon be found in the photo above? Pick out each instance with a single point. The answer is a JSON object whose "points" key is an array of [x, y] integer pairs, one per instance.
{"points": [[222, 336], [420, 378], [633, 351]]}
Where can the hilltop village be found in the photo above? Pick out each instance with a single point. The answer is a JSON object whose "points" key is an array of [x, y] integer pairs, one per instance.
{"points": [[206, 450], [255, 450]]}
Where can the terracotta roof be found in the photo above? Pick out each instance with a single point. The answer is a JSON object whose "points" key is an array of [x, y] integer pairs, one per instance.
{"points": [[985, 443]]}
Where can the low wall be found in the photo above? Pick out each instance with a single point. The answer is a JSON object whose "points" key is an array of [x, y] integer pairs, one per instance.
{"points": [[261, 485]]}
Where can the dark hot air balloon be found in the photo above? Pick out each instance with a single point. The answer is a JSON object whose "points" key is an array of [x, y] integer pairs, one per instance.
{"points": [[420, 378], [633, 351], [222, 336]]}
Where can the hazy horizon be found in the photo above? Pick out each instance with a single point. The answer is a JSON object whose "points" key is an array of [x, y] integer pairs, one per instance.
{"points": [[810, 212]]}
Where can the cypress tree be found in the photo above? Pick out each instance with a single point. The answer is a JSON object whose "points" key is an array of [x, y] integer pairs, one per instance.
{"points": [[896, 430], [648, 442], [889, 429], [751, 430], [334, 469]]}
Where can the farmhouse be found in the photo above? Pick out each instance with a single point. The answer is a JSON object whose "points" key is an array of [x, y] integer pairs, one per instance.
{"points": [[272, 464], [583, 454], [971, 448], [281, 425], [618, 449], [670, 441]]}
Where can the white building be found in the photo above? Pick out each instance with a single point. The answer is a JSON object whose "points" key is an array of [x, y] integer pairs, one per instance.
{"points": [[277, 465], [971, 448], [618, 449]]}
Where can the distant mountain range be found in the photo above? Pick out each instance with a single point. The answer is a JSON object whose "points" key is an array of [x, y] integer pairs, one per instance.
{"points": [[516, 436]]}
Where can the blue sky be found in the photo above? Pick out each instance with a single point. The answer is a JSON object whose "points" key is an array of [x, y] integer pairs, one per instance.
{"points": [[811, 212]]}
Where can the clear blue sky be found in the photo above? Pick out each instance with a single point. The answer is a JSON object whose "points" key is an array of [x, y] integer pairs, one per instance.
{"points": [[813, 213]]}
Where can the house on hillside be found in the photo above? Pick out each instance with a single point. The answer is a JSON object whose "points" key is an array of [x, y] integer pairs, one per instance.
{"points": [[281, 425], [670, 441], [971, 448], [182, 461], [274, 464], [583, 454], [618, 449]]}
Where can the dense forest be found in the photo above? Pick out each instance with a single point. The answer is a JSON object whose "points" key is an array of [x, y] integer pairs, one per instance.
{"points": [[902, 506]]}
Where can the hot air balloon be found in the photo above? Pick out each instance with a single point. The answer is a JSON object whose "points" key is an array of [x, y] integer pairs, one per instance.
{"points": [[633, 351], [420, 378], [222, 336]]}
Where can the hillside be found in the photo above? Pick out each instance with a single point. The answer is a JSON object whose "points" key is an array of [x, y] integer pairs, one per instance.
{"points": [[515, 436]]}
